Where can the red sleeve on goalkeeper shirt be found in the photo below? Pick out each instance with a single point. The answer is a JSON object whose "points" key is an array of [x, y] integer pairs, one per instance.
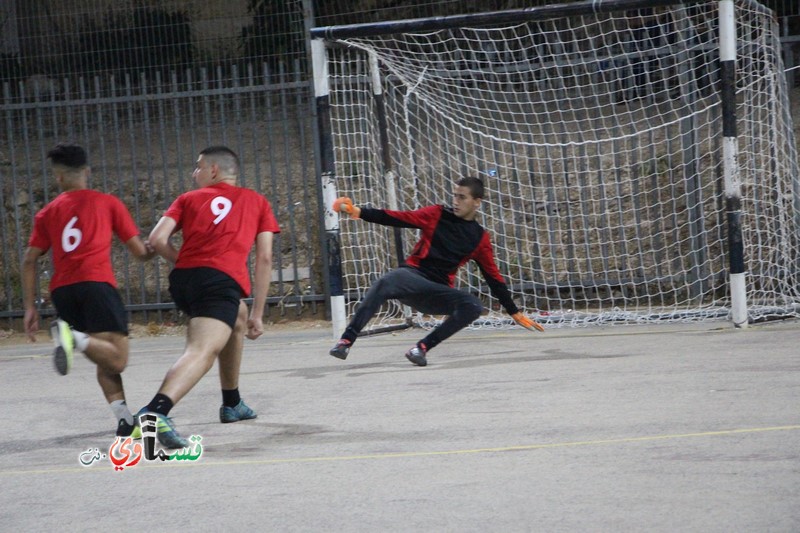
{"points": [[484, 256]]}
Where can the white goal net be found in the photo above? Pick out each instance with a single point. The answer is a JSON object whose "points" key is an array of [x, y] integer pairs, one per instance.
{"points": [[598, 137]]}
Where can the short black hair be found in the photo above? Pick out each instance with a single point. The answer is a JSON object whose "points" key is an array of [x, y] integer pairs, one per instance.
{"points": [[474, 184], [68, 155], [226, 158]]}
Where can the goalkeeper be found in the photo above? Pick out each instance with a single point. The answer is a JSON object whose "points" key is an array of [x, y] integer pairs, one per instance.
{"points": [[450, 238]]}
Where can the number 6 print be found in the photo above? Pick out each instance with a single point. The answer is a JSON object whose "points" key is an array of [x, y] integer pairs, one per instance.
{"points": [[220, 206], [71, 236]]}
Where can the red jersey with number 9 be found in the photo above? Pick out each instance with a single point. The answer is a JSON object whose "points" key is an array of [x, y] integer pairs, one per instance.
{"points": [[220, 224], [79, 226]]}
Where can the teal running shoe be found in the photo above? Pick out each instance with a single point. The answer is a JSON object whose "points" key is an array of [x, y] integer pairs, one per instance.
{"points": [[165, 430], [234, 414]]}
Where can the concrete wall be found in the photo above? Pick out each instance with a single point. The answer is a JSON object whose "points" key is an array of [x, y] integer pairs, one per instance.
{"points": [[38, 27]]}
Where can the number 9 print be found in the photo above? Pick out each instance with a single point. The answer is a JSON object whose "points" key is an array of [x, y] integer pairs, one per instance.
{"points": [[220, 206]]}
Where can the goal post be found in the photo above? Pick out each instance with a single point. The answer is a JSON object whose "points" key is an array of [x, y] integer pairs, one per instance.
{"points": [[730, 165], [640, 165]]}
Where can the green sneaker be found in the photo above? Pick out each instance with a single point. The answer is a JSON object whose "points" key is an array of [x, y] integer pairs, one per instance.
{"points": [[65, 345], [234, 414], [165, 430]]}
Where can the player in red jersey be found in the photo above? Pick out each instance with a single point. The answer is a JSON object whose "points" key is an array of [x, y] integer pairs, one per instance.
{"points": [[450, 238], [78, 227], [220, 222]]}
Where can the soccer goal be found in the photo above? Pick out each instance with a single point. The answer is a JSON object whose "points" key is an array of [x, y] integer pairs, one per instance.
{"points": [[639, 157]]}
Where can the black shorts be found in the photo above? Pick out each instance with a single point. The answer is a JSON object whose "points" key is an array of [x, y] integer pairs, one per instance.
{"points": [[205, 292], [91, 307]]}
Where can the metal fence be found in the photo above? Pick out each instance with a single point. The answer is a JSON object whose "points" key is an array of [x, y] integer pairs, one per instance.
{"points": [[144, 86], [143, 136]]}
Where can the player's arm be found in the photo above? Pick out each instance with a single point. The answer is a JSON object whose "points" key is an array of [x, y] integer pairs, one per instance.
{"points": [[261, 280], [141, 249], [127, 231], [417, 218], [160, 239], [31, 320], [484, 256]]}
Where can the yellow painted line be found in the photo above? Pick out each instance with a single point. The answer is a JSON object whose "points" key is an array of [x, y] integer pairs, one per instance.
{"points": [[499, 449], [511, 448]]}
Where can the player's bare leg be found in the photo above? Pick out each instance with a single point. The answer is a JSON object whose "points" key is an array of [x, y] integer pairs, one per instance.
{"points": [[205, 339], [233, 409], [109, 351], [230, 358]]}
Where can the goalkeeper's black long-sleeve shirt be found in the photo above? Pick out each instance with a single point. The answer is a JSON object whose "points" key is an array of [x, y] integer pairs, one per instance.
{"points": [[447, 242]]}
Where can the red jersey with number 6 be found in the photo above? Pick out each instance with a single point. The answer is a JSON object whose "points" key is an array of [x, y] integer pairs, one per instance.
{"points": [[79, 226], [220, 224]]}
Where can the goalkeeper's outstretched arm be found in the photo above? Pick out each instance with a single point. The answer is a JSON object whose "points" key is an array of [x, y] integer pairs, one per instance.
{"points": [[484, 256], [417, 218]]}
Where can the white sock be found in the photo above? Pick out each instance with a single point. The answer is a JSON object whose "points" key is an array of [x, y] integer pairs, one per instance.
{"points": [[120, 410], [81, 340]]}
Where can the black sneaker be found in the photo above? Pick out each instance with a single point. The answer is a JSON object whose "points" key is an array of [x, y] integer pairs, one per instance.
{"points": [[341, 349], [417, 355], [129, 430]]}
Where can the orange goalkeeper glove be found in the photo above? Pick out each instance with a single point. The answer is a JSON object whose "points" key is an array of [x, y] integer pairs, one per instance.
{"points": [[345, 205], [526, 322]]}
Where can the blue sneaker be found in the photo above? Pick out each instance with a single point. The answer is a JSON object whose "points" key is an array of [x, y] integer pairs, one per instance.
{"points": [[234, 414], [65, 344], [165, 430]]}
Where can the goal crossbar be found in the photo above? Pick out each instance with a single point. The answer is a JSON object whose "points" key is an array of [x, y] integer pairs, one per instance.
{"points": [[509, 16]]}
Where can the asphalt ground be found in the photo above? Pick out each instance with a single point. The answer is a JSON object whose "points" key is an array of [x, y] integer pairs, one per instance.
{"points": [[667, 428]]}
